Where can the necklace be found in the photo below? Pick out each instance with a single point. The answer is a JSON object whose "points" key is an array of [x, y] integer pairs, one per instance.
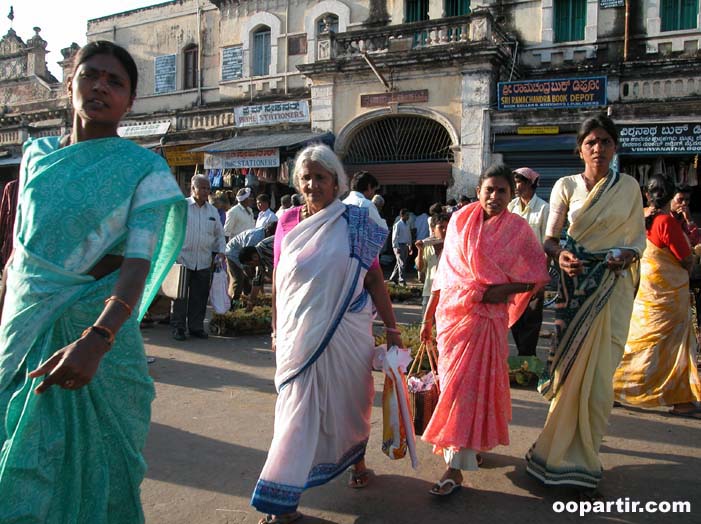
{"points": [[305, 212]]}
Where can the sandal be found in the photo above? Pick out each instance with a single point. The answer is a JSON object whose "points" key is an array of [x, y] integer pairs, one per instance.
{"points": [[287, 518], [359, 480], [438, 490]]}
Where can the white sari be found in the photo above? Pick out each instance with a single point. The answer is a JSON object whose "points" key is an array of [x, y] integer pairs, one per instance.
{"points": [[324, 354]]}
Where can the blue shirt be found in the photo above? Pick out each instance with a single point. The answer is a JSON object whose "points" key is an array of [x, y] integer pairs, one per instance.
{"points": [[250, 237]]}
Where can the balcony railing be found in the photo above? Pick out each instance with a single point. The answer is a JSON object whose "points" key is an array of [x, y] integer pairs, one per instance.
{"points": [[476, 27]]}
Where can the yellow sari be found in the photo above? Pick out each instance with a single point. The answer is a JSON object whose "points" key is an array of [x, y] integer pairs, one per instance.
{"points": [[589, 345], [658, 367]]}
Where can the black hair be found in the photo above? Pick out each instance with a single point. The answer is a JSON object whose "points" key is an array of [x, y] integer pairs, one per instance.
{"points": [[600, 121], [464, 198], [263, 197], [362, 181], [270, 228], [246, 254], [438, 218], [104, 47], [660, 190], [403, 211], [452, 202], [499, 171], [297, 200], [435, 209], [534, 183], [285, 200], [683, 189]]}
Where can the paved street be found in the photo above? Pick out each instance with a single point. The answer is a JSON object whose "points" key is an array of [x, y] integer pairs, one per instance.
{"points": [[213, 420]]}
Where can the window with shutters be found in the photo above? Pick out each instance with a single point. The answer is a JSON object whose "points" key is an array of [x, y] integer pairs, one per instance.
{"points": [[457, 7], [190, 55], [416, 10], [261, 52], [570, 19], [676, 15]]}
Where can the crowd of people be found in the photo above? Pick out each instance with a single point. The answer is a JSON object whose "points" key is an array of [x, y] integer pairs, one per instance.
{"points": [[75, 392]]}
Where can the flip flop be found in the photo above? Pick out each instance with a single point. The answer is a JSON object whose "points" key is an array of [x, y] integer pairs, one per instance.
{"points": [[359, 480], [694, 413], [281, 519], [437, 488]]}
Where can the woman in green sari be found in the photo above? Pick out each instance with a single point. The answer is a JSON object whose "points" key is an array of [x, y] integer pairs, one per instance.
{"points": [[606, 235], [99, 222]]}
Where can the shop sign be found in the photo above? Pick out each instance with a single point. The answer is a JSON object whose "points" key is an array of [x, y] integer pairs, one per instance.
{"points": [[182, 156], [538, 130], [552, 93], [296, 111], [660, 139], [146, 129], [164, 69], [241, 159], [607, 4], [399, 97]]}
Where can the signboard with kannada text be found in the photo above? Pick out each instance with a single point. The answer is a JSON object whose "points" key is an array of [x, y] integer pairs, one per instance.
{"points": [[556, 93], [232, 63], [241, 159], [182, 156], [660, 139], [294, 111], [399, 97], [607, 4]]}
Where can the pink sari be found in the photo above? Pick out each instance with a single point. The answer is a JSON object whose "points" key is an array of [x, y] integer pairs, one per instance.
{"points": [[474, 407]]}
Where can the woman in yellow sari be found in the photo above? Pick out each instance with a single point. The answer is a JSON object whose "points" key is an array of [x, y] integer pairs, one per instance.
{"points": [[606, 235], [658, 367]]}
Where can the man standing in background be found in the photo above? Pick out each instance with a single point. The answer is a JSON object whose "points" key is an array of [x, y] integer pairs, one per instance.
{"points": [[401, 240], [363, 187], [534, 209], [203, 238]]}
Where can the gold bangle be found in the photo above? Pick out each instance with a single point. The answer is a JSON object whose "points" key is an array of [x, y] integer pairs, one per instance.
{"points": [[115, 298], [103, 331]]}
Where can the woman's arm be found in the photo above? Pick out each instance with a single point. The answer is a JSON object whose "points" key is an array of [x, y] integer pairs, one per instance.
{"points": [[499, 293], [3, 282], [420, 255], [74, 365], [274, 314], [375, 285], [426, 334]]}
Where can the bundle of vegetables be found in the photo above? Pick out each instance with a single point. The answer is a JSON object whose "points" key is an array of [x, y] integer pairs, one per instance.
{"points": [[404, 293], [261, 300], [242, 322], [525, 371]]}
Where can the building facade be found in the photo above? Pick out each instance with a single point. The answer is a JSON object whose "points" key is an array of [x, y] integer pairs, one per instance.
{"points": [[425, 94]]}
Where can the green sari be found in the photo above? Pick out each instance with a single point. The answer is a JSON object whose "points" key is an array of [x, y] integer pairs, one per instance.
{"points": [[75, 456]]}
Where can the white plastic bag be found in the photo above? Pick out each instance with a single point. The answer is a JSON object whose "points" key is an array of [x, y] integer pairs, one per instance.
{"points": [[218, 293]]}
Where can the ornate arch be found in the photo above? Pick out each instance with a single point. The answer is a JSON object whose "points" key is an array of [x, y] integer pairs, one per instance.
{"points": [[345, 136]]}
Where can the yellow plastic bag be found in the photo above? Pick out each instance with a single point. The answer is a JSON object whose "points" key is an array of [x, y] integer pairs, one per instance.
{"points": [[394, 443]]}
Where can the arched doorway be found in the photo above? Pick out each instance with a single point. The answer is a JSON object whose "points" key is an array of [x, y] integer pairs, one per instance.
{"points": [[410, 154]]}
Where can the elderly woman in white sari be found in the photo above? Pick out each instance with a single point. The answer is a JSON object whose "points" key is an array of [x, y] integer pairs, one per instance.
{"points": [[325, 282]]}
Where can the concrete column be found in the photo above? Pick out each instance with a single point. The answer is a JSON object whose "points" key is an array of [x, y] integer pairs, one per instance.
{"points": [[474, 132], [322, 107]]}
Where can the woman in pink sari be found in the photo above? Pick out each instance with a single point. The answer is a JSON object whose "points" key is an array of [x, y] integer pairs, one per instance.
{"points": [[491, 265]]}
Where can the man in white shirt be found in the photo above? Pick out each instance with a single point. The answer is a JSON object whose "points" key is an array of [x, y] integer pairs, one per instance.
{"points": [[265, 215], [363, 187], [203, 238], [285, 204], [534, 209], [401, 240], [240, 217]]}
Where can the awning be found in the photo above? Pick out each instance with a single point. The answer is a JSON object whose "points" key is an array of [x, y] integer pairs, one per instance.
{"points": [[505, 143], [10, 161], [267, 141]]}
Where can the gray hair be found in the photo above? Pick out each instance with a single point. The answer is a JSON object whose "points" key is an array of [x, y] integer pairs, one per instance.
{"points": [[378, 201], [322, 154], [198, 178]]}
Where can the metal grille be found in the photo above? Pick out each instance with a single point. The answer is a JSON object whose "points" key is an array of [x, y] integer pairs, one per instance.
{"points": [[400, 139]]}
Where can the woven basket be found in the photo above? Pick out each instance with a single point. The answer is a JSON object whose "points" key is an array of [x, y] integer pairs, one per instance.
{"points": [[423, 403]]}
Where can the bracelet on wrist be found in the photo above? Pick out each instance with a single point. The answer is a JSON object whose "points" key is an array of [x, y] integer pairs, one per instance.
{"points": [[392, 330], [121, 302], [106, 333]]}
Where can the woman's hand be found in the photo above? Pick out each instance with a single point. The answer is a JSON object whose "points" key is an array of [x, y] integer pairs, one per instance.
{"points": [[394, 339], [622, 260], [73, 366], [569, 263]]}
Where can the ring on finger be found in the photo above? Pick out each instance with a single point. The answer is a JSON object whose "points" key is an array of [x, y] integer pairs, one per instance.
{"points": [[69, 383]]}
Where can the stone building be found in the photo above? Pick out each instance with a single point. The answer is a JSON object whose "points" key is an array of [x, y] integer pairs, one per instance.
{"points": [[33, 102], [423, 93]]}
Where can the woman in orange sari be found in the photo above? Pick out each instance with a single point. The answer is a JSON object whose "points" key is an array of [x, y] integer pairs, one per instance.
{"points": [[492, 263]]}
